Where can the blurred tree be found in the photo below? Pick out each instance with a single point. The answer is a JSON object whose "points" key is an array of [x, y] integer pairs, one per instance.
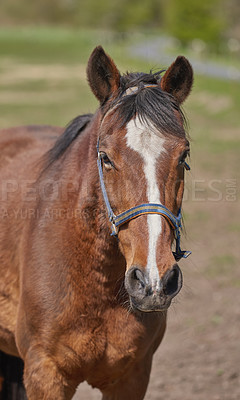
{"points": [[119, 15], [138, 14], [109, 14], [189, 19], [207, 20]]}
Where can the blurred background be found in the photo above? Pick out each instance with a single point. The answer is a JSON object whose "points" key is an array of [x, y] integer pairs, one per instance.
{"points": [[44, 48]]}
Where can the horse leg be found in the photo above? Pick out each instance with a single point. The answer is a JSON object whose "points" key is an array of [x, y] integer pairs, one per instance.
{"points": [[43, 380], [132, 386]]}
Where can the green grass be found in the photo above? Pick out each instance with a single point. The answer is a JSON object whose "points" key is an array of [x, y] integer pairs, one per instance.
{"points": [[221, 103], [47, 45], [62, 98], [65, 46], [223, 269], [234, 227], [212, 108]]}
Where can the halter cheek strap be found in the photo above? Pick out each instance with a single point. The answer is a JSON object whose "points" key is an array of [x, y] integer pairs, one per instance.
{"points": [[147, 208]]}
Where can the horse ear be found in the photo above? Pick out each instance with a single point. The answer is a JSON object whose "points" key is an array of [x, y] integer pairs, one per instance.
{"points": [[178, 79], [103, 75]]}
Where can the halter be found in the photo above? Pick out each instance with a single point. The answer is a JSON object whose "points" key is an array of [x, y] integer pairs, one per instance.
{"points": [[146, 208]]}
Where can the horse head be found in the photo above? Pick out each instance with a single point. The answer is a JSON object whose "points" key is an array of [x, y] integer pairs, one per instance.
{"points": [[142, 146]]}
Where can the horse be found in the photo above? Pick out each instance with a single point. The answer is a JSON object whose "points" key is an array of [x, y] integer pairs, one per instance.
{"points": [[89, 215]]}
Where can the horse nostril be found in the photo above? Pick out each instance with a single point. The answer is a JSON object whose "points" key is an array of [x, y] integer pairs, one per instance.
{"points": [[138, 276], [135, 280], [172, 281]]}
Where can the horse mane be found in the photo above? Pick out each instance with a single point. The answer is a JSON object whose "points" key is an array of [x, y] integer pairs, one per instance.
{"points": [[72, 131], [131, 79], [153, 106]]}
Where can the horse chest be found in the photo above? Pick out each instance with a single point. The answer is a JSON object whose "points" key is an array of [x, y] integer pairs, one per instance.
{"points": [[108, 347], [128, 341]]}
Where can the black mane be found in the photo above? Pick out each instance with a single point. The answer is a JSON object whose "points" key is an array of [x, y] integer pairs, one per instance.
{"points": [[151, 105], [72, 131], [139, 79]]}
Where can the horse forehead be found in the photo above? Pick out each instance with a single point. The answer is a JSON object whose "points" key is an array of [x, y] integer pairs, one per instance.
{"points": [[144, 139]]}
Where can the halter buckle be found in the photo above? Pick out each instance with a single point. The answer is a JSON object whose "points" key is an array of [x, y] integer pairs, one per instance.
{"points": [[115, 229], [181, 254]]}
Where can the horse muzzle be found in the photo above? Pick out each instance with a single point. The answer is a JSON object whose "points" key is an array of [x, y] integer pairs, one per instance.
{"points": [[146, 296]]}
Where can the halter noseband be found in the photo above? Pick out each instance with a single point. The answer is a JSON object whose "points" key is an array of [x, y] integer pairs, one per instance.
{"points": [[147, 208]]}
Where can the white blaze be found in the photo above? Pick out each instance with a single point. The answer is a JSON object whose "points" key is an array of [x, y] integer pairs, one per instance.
{"points": [[149, 145]]}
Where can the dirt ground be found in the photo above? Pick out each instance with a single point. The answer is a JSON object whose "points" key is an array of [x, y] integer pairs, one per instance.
{"points": [[199, 358]]}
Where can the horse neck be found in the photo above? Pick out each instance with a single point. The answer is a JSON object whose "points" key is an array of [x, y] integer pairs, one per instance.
{"points": [[93, 222]]}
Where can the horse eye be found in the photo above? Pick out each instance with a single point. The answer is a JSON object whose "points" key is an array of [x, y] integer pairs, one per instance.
{"points": [[182, 158], [106, 160]]}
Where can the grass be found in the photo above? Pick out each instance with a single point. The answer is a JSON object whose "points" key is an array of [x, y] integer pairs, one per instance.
{"points": [[215, 98], [222, 264], [47, 45], [223, 270], [42, 80], [59, 97], [234, 227], [72, 47]]}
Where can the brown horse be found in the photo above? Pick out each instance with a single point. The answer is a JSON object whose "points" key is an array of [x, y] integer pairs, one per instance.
{"points": [[77, 303]]}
